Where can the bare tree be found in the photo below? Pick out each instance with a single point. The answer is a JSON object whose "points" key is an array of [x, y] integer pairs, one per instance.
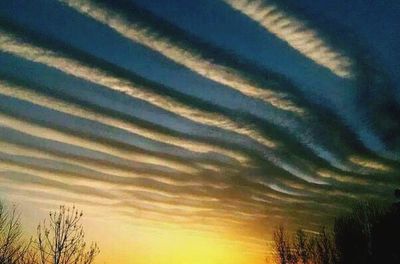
{"points": [[30, 255], [368, 234], [282, 247], [302, 247], [12, 248], [61, 239], [324, 251]]}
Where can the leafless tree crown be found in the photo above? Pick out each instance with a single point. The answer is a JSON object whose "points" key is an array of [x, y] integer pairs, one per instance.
{"points": [[12, 249], [61, 239]]}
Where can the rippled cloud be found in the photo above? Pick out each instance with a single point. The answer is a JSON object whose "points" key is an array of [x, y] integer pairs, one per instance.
{"points": [[219, 167]]}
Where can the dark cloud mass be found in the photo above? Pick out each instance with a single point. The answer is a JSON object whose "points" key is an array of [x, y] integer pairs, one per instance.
{"points": [[111, 104]]}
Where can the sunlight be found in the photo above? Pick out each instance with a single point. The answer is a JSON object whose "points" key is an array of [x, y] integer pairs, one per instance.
{"points": [[164, 245], [189, 247]]}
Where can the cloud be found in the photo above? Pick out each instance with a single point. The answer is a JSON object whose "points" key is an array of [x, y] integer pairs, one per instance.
{"points": [[182, 54], [228, 69], [22, 93], [301, 163], [52, 134], [370, 164], [10, 44], [297, 33]]}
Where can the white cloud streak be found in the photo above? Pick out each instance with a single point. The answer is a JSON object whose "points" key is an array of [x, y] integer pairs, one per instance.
{"points": [[296, 33], [59, 136], [184, 55], [25, 94], [10, 44]]}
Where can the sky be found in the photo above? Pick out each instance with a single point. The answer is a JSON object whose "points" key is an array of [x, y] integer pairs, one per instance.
{"points": [[188, 130]]}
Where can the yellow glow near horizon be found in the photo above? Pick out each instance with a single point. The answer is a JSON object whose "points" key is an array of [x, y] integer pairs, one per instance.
{"points": [[178, 246], [137, 241], [182, 247]]}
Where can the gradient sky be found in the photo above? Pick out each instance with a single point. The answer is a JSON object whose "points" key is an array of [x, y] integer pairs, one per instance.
{"points": [[187, 130]]}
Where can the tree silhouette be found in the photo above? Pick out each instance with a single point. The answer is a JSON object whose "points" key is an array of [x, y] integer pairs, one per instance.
{"points": [[282, 247], [369, 234], [353, 233], [302, 246], [61, 239], [323, 248], [305, 249], [12, 249]]}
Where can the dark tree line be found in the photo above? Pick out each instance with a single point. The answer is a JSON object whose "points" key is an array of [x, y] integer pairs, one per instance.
{"points": [[60, 239], [303, 248], [369, 234]]}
